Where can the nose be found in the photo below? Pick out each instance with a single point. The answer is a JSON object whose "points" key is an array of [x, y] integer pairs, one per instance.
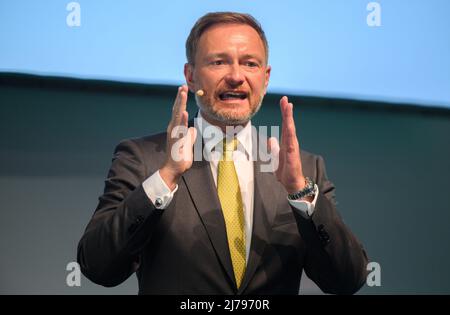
{"points": [[235, 76]]}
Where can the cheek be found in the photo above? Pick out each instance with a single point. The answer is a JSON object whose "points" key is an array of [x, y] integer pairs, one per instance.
{"points": [[258, 82], [209, 78]]}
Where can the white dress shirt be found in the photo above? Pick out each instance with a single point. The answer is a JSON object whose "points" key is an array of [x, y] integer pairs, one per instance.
{"points": [[161, 196]]}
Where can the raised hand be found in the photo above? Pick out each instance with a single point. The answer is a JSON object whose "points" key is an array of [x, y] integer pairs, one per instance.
{"points": [[180, 141], [289, 171]]}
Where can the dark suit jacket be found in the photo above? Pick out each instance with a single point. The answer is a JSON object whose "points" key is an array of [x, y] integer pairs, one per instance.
{"points": [[183, 249]]}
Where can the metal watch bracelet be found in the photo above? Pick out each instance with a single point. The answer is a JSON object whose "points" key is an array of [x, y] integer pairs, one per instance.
{"points": [[305, 192]]}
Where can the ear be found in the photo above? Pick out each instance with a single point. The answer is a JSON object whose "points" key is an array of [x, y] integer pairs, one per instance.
{"points": [[189, 76], [267, 77]]}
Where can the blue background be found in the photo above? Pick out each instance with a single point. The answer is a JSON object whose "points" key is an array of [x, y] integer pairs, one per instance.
{"points": [[320, 48]]}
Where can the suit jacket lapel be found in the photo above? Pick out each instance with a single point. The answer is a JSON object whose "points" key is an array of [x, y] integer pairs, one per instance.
{"points": [[264, 211], [202, 189]]}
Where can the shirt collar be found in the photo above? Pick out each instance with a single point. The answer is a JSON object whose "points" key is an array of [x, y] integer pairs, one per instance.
{"points": [[244, 135]]}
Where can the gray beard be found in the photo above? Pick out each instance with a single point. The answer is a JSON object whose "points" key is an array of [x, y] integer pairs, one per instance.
{"points": [[225, 119]]}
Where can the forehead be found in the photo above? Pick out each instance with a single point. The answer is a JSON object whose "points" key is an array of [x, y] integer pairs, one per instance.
{"points": [[222, 38]]}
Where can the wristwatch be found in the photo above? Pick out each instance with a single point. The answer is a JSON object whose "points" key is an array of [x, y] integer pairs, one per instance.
{"points": [[309, 190]]}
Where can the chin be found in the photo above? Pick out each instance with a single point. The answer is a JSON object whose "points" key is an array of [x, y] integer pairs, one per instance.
{"points": [[232, 116], [229, 114]]}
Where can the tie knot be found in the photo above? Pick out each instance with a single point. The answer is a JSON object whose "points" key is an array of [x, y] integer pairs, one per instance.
{"points": [[229, 145]]}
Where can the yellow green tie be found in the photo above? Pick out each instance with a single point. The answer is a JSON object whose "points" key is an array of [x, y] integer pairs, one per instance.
{"points": [[232, 207]]}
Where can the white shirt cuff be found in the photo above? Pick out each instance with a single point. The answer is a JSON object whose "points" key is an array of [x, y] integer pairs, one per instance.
{"points": [[306, 208], [157, 191]]}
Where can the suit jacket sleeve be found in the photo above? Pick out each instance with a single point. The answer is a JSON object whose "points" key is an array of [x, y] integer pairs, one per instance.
{"points": [[335, 260], [108, 252]]}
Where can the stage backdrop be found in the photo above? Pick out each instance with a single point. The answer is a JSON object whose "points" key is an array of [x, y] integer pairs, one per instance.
{"points": [[390, 165]]}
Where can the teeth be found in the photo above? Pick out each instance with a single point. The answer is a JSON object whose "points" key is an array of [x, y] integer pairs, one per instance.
{"points": [[228, 95]]}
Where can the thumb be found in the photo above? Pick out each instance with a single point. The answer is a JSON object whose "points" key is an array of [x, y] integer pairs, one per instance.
{"points": [[189, 141], [274, 150], [192, 134], [273, 145]]}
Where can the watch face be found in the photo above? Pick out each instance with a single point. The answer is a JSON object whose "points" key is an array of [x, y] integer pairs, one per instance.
{"points": [[305, 192]]}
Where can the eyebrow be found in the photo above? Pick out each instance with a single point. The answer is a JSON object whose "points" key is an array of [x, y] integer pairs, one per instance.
{"points": [[225, 55], [217, 55]]}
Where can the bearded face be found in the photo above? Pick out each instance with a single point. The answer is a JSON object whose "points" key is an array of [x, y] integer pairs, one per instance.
{"points": [[230, 68]]}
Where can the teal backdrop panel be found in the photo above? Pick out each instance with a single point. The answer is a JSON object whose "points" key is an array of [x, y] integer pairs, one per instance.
{"points": [[390, 165]]}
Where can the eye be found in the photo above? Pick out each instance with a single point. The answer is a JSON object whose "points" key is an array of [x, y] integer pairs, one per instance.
{"points": [[217, 62], [251, 64]]}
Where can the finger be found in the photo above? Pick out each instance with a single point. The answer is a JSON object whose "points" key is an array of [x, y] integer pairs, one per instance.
{"points": [[274, 149], [183, 97], [283, 103], [290, 124], [174, 109], [184, 118], [290, 136], [179, 105], [189, 141], [177, 99], [177, 131], [181, 109], [273, 146], [192, 134], [283, 106]]}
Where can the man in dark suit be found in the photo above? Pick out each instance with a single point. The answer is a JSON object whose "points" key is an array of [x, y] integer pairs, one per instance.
{"points": [[219, 222]]}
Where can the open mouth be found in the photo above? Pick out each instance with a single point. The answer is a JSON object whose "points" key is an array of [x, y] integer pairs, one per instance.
{"points": [[234, 95]]}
